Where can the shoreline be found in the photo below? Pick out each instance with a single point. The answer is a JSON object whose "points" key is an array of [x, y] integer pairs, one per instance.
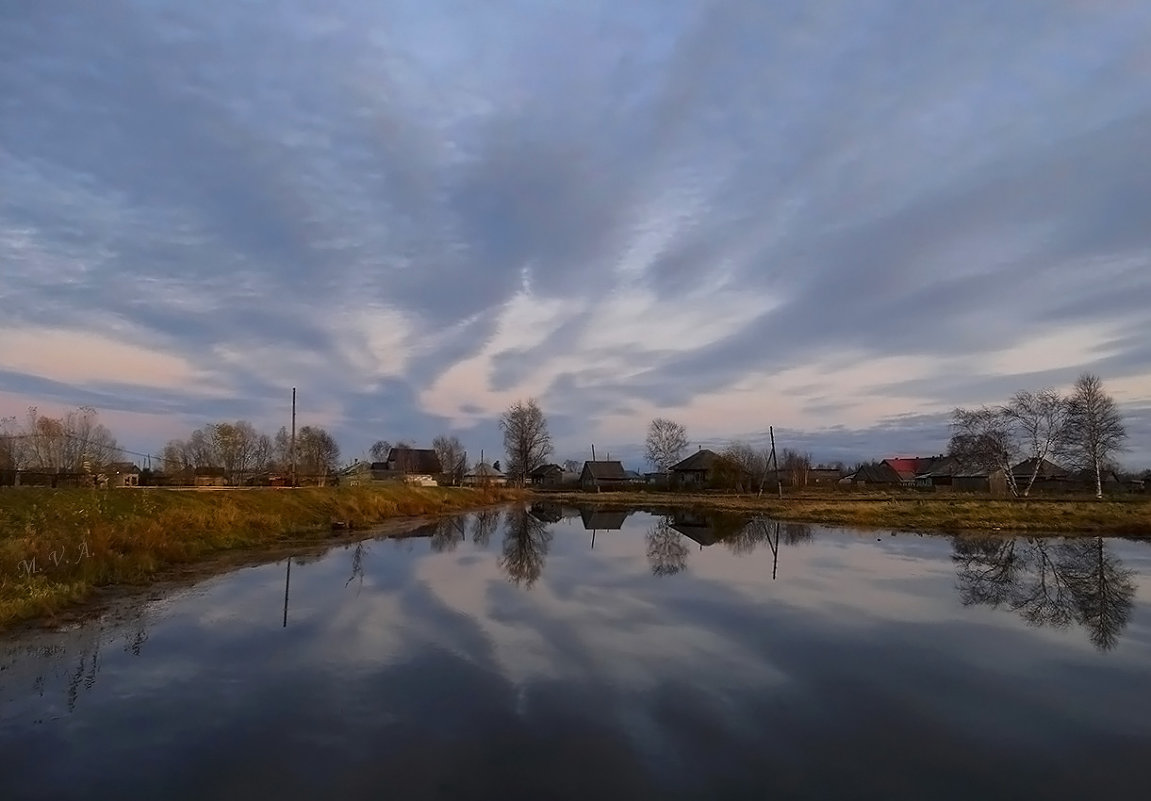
{"points": [[60, 549], [1125, 517], [125, 548]]}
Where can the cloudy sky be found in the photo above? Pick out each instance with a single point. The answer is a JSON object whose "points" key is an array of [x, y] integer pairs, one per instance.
{"points": [[838, 219]]}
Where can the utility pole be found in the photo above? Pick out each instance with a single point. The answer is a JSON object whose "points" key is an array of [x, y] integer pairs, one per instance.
{"points": [[775, 463], [292, 449]]}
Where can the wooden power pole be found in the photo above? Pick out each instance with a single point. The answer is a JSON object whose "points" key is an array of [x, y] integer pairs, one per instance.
{"points": [[775, 463]]}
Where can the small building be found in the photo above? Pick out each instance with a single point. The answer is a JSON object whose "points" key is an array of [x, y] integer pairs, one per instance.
{"points": [[209, 477], [122, 474], [700, 469], [416, 465], [553, 475], [484, 475], [360, 474], [603, 475]]}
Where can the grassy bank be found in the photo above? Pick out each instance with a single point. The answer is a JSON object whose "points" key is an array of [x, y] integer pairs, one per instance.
{"points": [[57, 546], [1129, 516]]}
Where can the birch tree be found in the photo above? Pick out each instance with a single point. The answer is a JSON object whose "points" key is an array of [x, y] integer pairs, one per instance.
{"points": [[1095, 432], [666, 442], [1040, 419]]}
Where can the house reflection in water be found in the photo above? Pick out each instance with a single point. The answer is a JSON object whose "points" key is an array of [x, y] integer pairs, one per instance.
{"points": [[706, 528], [603, 520]]}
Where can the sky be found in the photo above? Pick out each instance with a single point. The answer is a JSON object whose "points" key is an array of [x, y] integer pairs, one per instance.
{"points": [[838, 219]]}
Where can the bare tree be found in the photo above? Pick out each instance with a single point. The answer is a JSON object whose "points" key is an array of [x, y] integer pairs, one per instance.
{"points": [[742, 466], [75, 442], [666, 441], [451, 455], [795, 466], [11, 445], [573, 466], [380, 450], [985, 438], [1040, 419], [235, 447], [1095, 432], [526, 439]]}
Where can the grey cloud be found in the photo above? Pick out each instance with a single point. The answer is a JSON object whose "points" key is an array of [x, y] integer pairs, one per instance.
{"points": [[907, 179]]}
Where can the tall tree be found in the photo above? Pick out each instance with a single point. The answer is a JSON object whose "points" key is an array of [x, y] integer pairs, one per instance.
{"points": [[666, 442], [451, 455], [1095, 432], [317, 454], [379, 450], [235, 448], [526, 439], [1040, 420]]}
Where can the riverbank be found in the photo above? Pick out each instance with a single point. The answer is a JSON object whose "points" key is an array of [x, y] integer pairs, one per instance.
{"points": [[1123, 516], [58, 546]]}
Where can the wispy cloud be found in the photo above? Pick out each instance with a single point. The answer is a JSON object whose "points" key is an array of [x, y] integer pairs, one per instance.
{"points": [[735, 212]]}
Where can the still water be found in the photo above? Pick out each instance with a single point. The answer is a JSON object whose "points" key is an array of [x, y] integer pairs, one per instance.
{"points": [[565, 654]]}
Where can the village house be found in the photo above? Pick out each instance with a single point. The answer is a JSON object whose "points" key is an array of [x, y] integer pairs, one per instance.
{"points": [[121, 474], [360, 474], [209, 477], [698, 470], [603, 475], [484, 475], [553, 475]]}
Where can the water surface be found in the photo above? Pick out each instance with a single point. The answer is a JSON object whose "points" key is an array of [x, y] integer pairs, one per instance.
{"points": [[560, 654]]}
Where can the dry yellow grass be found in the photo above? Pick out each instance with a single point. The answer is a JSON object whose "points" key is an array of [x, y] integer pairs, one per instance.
{"points": [[56, 546], [1126, 515]]}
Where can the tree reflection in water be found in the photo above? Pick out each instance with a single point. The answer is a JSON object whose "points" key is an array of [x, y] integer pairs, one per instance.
{"points": [[484, 524], [358, 554], [525, 547], [666, 552], [1048, 582], [448, 533]]}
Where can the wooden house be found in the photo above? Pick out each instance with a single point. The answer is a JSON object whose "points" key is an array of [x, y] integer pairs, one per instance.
{"points": [[603, 475]]}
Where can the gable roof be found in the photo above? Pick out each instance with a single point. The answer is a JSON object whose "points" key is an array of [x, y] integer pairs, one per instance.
{"points": [[881, 473], [484, 470], [610, 471], [123, 467], [545, 470], [907, 467], [1047, 469], [703, 459], [415, 460]]}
